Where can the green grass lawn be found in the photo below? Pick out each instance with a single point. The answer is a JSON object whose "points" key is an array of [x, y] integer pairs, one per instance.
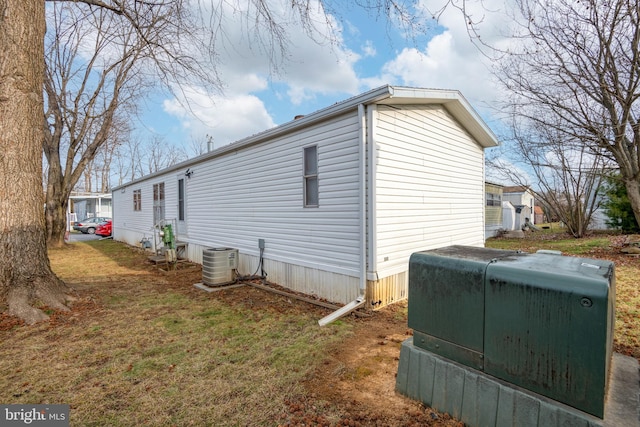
{"points": [[142, 348], [145, 348]]}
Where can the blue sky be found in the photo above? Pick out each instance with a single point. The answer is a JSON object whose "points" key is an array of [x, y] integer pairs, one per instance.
{"points": [[367, 54]]}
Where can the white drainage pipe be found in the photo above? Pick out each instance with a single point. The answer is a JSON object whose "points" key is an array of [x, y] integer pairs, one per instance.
{"points": [[342, 311]]}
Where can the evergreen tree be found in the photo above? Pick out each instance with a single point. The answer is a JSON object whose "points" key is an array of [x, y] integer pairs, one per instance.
{"points": [[617, 206]]}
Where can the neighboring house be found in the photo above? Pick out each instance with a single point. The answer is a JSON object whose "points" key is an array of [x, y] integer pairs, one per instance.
{"points": [[523, 201], [493, 221], [341, 197], [599, 220], [508, 216], [89, 205]]}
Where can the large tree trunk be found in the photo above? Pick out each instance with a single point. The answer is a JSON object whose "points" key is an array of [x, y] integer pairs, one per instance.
{"points": [[26, 279], [57, 201], [56, 219], [633, 192]]}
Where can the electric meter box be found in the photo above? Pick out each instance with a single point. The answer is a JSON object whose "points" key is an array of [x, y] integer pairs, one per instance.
{"points": [[541, 321]]}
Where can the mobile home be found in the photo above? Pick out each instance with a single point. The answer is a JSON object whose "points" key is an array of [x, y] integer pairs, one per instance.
{"points": [[493, 210], [339, 198]]}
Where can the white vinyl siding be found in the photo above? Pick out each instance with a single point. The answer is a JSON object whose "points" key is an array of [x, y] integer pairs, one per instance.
{"points": [[255, 193], [425, 189], [429, 185], [130, 226]]}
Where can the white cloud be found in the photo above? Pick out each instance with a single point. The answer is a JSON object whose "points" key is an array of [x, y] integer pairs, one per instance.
{"points": [[316, 72], [450, 60], [368, 49], [442, 65], [227, 119], [314, 65], [323, 65]]}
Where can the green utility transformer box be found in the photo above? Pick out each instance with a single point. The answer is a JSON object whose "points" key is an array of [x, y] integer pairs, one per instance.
{"points": [[541, 321], [168, 236]]}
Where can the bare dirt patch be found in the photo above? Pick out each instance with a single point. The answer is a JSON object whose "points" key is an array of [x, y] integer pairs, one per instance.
{"points": [[359, 377], [355, 385]]}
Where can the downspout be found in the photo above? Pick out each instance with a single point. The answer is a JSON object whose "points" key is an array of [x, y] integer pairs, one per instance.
{"points": [[68, 225], [362, 199]]}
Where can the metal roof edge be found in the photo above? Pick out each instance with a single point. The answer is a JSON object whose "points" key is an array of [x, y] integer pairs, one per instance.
{"points": [[457, 105], [452, 100], [368, 97]]}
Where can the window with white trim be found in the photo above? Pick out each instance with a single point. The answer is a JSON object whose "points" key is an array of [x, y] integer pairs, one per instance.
{"points": [[311, 177], [158, 202], [493, 199], [137, 200], [181, 199]]}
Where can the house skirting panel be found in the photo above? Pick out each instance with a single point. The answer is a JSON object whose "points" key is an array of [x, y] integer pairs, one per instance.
{"points": [[388, 290], [332, 287]]}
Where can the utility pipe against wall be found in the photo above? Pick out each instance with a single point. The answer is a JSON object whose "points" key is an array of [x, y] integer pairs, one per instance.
{"points": [[362, 199]]}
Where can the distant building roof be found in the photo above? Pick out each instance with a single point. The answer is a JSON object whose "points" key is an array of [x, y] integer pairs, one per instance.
{"points": [[538, 210], [515, 189], [79, 195]]}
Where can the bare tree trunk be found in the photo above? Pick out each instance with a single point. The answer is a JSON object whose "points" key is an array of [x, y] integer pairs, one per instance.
{"points": [[88, 178], [26, 279], [56, 217], [633, 192]]}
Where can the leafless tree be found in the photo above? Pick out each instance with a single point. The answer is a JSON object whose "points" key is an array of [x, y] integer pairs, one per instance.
{"points": [[90, 75], [159, 155], [563, 174], [135, 157], [574, 69], [199, 146], [128, 161], [97, 174], [98, 66]]}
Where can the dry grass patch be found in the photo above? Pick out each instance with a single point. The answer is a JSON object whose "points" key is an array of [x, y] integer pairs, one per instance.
{"points": [[627, 336], [141, 347]]}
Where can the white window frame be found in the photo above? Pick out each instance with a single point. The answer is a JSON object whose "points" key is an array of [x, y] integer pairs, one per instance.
{"points": [[137, 200], [182, 188], [310, 177], [159, 191]]}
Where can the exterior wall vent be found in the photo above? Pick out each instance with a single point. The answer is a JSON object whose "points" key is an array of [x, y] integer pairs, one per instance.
{"points": [[218, 265]]}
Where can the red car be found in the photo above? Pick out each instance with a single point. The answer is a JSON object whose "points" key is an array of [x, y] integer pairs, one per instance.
{"points": [[104, 229]]}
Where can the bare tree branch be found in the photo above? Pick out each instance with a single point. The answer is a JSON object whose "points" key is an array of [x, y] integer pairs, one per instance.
{"points": [[576, 70], [566, 176]]}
